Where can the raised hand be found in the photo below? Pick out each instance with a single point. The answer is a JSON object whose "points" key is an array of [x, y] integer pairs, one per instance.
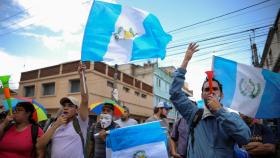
{"points": [[193, 47], [81, 68], [61, 120], [213, 103]]}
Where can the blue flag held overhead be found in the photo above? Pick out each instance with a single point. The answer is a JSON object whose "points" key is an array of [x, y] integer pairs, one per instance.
{"points": [[144, 140], [118, 33], [252, 91]]}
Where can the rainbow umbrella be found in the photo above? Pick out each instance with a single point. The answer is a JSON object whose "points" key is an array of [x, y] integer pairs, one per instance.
{"points": [[40, 113], [97, 107]]}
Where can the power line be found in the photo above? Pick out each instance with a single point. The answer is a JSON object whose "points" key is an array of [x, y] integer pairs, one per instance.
{"points": [[221, 36], [223, 19], [222, 49], [248, 25], [14, 15], [219, 16], [237, 37]]}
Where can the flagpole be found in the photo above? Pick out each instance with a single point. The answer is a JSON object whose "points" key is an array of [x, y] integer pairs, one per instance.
{"points": [[84, 80]]}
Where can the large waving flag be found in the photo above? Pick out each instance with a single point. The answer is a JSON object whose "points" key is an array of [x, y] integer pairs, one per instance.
{"points": [[139, 141], [122, 34], [252, 91]]}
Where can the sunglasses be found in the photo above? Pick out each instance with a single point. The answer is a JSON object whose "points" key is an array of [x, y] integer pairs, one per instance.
{"points": [[208, 89], [19, 109], [70, 105]]}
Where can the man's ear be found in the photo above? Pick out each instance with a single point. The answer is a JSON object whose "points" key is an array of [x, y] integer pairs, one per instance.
{"points": [[222, 95]]}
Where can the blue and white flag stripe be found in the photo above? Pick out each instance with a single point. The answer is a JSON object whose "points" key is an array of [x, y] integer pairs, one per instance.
{"points": [[149, 139], [252, 91], [119, 33]]}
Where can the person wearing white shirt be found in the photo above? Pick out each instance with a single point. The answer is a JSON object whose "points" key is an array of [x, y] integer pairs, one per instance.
{"points": [[125, 120]]}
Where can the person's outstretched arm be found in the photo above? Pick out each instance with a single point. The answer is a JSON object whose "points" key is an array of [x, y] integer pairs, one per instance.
{"points": [[177, 96], [83, 112]]}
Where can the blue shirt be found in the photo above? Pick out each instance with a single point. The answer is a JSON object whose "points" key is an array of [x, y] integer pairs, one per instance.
{"points": [[214, 135]]}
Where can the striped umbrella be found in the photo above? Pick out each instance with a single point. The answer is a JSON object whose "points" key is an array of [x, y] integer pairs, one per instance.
{"points": [[97, 107], [40, 113]]}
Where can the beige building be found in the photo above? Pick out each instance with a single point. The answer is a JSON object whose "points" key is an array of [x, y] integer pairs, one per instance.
{"points": [[48, 85], [160, 78], [271, 54]]}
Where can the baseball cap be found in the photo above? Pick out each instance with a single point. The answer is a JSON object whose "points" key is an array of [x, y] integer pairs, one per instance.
{"points": [[70, 99], [164, 105]]}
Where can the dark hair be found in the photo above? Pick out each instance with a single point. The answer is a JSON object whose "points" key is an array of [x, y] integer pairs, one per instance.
{"points": [[156, 109], [126, 109], [111, 106], [213, 79], [28, 107]]}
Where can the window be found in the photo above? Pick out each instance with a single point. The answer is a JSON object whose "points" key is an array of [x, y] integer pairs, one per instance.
{"points": [[136, 93], [126, 89], [75, 86], [48, 88], [110, 84], [158, 82], [143, 95], [29, 91]]}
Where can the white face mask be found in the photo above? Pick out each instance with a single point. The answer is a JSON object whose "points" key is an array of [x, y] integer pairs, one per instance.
{"points": [[105, 120]]}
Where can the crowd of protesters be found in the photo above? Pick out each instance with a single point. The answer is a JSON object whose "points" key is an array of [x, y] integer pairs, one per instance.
{"points": [[211, 132]]}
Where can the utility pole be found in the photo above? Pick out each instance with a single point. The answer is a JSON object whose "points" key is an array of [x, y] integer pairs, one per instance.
{"points": [[255, 58]]}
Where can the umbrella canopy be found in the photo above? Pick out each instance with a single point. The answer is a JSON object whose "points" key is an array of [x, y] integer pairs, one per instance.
{"points": [[40, 113], [97, 107]]}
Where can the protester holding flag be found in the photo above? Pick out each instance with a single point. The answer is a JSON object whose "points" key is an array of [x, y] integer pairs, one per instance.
{"points": [[100, 130], [18, 140], [213, 131], [68, 134], [262, 143]]}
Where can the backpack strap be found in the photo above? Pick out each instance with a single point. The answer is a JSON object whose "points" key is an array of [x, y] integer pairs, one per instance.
{"points": [[90, 140], [34, 135], [77, 128], [195, 121]]}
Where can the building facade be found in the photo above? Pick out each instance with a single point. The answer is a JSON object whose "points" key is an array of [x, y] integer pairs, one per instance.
{"points": [[48, 85], [160, 78], [271, 54]]}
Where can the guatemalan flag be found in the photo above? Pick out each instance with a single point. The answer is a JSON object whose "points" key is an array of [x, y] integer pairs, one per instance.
{"points": [[118, 33], [139, 141], [252, 91]]}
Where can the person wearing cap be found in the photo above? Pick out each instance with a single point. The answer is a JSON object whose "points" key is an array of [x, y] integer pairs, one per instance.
{"points": [[160, 114], [125, 120], [214, 131], [99, 131], [16, 138], [62, 135]]}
